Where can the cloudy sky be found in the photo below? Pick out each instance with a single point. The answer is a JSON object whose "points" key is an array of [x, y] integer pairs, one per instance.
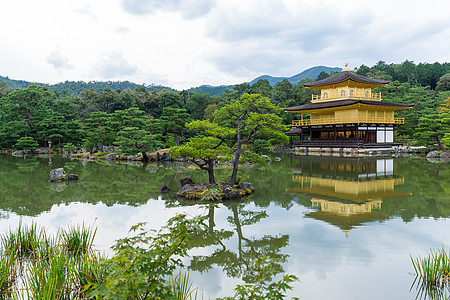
{"points": [[186, 43]]}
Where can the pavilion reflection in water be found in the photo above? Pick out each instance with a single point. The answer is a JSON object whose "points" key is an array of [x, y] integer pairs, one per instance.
{"points": [[346, 192]]}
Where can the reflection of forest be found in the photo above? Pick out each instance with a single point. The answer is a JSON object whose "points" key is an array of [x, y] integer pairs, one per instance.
{"points": [[25, 190]]}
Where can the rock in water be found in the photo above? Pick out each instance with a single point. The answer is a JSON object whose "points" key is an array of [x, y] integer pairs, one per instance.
{"points": [[266, 157], [166, 156], [110, 156], [72, 177], [246, 186], [185, 181], [445, 156], [57, 175], [229, 192], [433, 154], [164, 189]]}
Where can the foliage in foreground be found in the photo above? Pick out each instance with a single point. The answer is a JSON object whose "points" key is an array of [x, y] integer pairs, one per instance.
{"points": [[143, 263], [36, 266], [432, 275]]}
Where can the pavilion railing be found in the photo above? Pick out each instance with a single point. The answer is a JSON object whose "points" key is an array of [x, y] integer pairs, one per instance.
{"points": [[325, 121], [337, 96]]}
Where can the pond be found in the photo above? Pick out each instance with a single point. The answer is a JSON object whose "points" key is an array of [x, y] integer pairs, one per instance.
{"points": [[346, 227]]}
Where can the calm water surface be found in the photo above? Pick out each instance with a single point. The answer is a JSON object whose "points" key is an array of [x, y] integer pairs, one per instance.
{"points": [[346, 227]]}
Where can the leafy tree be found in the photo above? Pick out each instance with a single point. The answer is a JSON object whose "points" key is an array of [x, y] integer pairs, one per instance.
{"points": [[444, 83], [26, 142], [322, 75], [169, 99], [196, 104], [262, 87], [431, 129], [132, 140], [172, 121], [4, 90], [98, 131], [251, 116], [133, 135], [204, 151], [261, 146]]}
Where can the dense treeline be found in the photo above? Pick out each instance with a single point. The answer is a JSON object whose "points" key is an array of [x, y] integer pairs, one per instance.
{"points": [[41, 115], [76, 87]]}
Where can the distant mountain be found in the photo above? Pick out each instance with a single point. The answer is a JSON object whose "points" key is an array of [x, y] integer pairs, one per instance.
{"points": [[310, 73], [76, 87], [17, 84]]}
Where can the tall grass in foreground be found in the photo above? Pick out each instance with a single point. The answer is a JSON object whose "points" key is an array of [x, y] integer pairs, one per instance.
{"points": [[432, 275], [182, 287], [36, 266], [78, 239]]}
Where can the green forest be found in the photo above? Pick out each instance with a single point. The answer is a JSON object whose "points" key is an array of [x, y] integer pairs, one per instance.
{"points": [[145, 119]]}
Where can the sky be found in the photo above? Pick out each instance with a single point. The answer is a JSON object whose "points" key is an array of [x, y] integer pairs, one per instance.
{"points": [[188, 43]]}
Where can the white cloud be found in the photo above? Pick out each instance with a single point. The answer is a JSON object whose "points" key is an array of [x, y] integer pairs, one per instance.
{"points": [[58, 61], [190, 9], [193, 42], [114, 65]]}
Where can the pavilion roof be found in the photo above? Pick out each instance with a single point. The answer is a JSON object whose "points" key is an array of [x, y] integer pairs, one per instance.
{"points": [[293, 131], [343, 76]]}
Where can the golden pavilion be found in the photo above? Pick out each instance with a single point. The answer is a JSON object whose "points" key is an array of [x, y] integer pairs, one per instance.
{"points": [[346, 114]]}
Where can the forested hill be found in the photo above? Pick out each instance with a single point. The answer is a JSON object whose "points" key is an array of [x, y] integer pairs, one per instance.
{"points": [[310, 73], [76, 87]]}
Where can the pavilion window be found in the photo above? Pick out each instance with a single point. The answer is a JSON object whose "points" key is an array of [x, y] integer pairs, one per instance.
{"points": [[343, 93], [367, 94], [352, 92]]}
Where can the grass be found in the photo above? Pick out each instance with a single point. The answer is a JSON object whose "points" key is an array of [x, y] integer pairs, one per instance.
{"points": [[78, 239], [36, 266], [432, 275], [182, 287], [7, 272]]}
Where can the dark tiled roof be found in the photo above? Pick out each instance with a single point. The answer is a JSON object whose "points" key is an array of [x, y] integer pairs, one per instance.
{"points": [[294, 130], [347, 102], [344, 75]]}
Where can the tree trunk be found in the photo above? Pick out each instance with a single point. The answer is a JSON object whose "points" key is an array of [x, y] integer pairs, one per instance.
{"points": [[177, 139], [236, 157], [144, 156], [441, 147], [28, 119], [211, 178]]}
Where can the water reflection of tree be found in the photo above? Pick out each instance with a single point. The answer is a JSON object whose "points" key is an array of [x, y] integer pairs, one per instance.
{"points": [[237, 261]]}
